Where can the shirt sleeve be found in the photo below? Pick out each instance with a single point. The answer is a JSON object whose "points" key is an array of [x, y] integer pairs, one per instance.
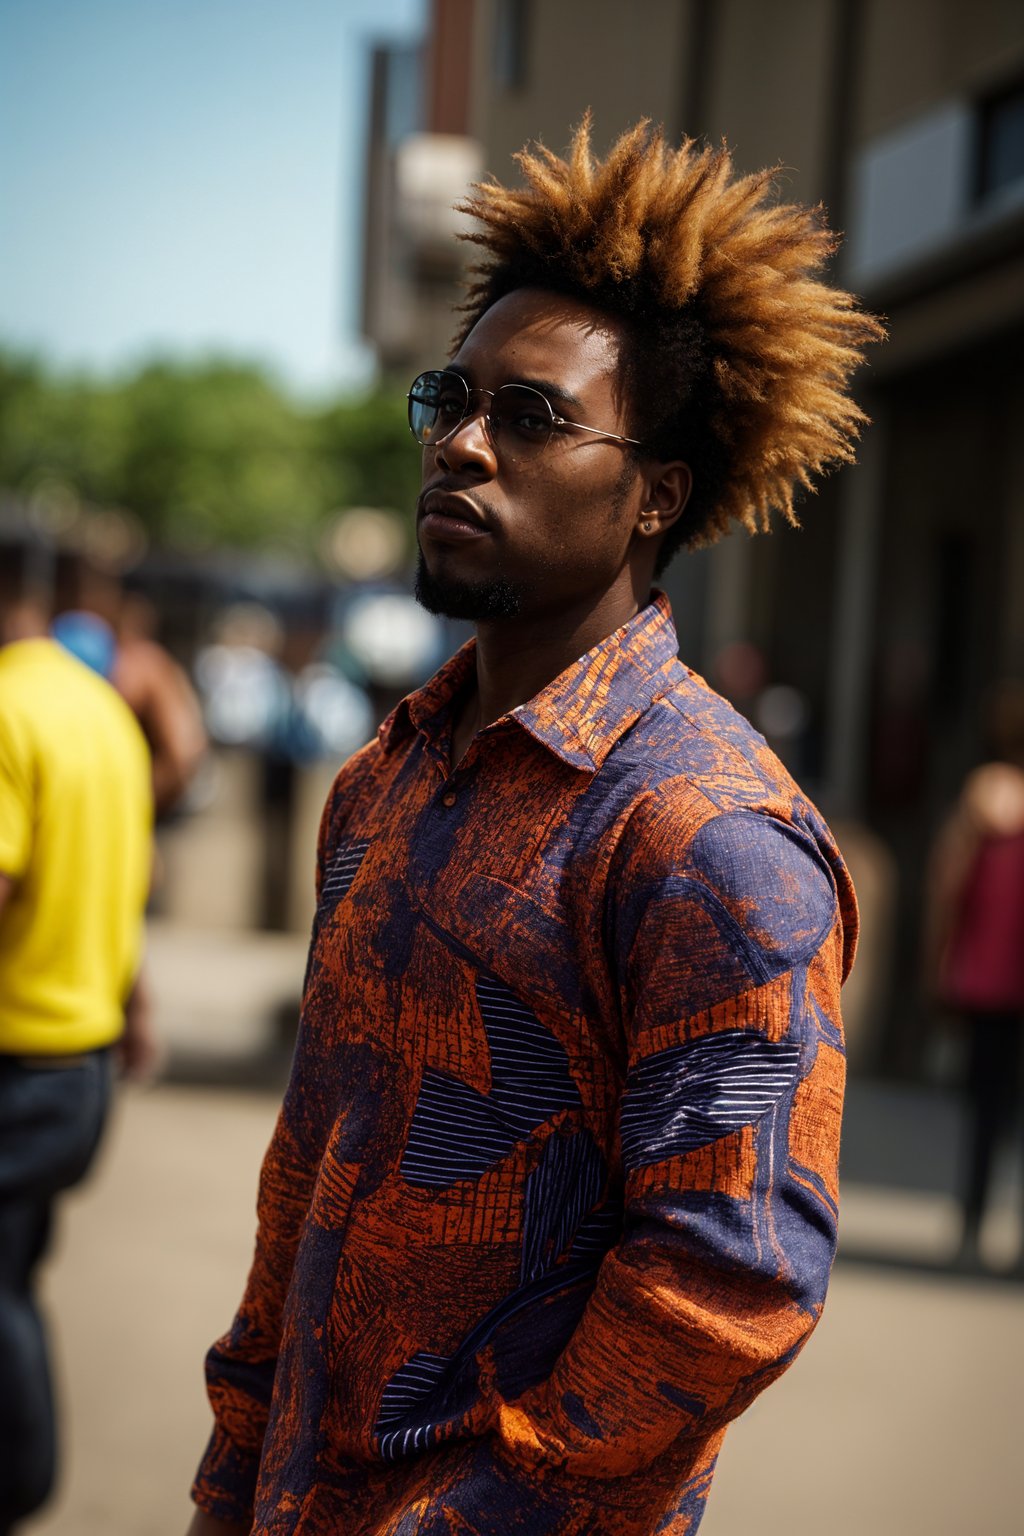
{"points": [[240, 1367], [16, 803], [729, 959]]}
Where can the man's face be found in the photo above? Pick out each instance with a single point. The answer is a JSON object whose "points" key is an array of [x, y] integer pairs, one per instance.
{"points": [[508, 531]]}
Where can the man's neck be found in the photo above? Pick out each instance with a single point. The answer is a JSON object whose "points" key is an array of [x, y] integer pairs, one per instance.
{"points": [[516, 658]]}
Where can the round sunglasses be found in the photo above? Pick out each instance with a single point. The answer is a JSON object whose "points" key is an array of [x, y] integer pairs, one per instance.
{"points": [[516, 415]]}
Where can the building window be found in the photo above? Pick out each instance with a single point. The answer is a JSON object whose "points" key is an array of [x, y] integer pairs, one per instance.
{"points": [[511, 26], [1001, 141]]}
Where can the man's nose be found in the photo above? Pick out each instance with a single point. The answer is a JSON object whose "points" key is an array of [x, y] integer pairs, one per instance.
{"points": [[470, 443]]}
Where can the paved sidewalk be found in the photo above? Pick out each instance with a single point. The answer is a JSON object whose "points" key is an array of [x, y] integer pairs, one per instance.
{"points": [[223, 997], [901, 1419]]}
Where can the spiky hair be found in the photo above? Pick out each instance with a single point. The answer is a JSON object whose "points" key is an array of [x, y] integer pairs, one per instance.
{"points": [[740, 355]]}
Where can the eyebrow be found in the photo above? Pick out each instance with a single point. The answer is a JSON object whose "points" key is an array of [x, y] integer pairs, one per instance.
{"points": [[545, 387]]}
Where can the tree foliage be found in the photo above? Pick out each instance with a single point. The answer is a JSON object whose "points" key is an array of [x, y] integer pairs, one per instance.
{"points": [[206, 454]]}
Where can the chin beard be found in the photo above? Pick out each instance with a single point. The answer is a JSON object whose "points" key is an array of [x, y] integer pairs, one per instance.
{"points": [[473, 600]]}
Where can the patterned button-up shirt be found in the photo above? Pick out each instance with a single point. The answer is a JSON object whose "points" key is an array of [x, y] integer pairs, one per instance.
{"points": [[552, 1194]]}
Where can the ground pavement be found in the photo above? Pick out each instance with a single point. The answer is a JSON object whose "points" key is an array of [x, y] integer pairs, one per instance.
{"points": [[901, 1419]]}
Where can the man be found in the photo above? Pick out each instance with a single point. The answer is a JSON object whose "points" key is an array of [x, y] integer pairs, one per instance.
{"points": [[75, 853], [552, 1195]]}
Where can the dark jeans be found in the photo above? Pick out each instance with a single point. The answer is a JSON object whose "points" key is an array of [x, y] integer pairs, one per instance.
{"points": [[51, 1118]]}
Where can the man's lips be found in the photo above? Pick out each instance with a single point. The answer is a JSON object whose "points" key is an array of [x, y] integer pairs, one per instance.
{"points": [[450, 515]]}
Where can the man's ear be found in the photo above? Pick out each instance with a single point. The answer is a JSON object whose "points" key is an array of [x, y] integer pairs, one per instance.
{"points": [[666, 492]]}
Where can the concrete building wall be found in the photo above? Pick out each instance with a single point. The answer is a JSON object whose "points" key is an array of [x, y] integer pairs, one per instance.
{"points": [[914, 53], [769, 89], [623, 61]]}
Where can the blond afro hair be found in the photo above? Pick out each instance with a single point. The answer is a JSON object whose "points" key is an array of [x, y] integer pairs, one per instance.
{"points": [[740, 355]]}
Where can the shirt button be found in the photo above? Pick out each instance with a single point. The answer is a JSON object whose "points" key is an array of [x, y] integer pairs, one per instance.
{"points": [[450, 798]]}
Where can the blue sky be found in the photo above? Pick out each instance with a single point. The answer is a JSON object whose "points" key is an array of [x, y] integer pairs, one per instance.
{"points": [[180, 176]]}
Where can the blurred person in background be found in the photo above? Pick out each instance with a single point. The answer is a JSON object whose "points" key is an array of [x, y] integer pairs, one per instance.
{"points": [[975, 929], [76, 817], [162, 698], [113, 630], [552, 1195]]}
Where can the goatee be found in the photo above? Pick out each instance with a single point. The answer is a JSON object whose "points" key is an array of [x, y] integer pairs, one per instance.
{"points": [[472, 600]]}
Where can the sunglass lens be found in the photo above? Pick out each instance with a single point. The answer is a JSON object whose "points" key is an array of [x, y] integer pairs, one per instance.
{"points": [[521, 415], [437, 403], [423, 403]]}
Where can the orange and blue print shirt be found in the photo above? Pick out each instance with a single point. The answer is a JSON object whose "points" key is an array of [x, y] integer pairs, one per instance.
{"points": [[552, 1194]]}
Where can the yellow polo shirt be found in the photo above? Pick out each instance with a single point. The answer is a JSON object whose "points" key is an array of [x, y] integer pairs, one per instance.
{"points": [[76, 838]]}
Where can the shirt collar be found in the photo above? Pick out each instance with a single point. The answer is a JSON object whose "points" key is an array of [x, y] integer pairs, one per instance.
{"points": [[584, 711], [428, 708]]}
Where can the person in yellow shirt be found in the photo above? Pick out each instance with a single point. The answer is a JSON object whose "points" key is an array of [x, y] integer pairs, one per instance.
{"points": [[76, 817]]}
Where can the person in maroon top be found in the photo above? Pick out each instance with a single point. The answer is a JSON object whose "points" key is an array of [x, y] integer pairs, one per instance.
{"points": [[976, 938], [553, 1195]]}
